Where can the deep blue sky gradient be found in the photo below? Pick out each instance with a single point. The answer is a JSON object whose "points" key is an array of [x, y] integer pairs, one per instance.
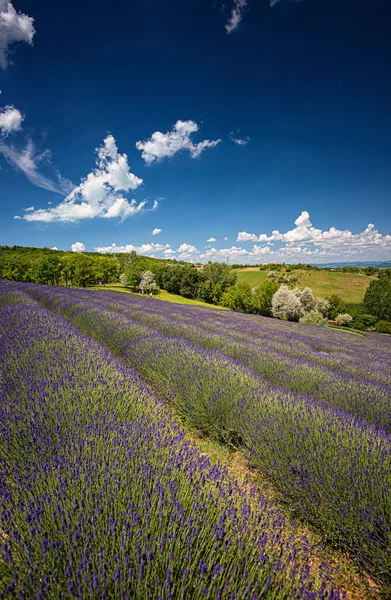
{"points": [[309, 82]]}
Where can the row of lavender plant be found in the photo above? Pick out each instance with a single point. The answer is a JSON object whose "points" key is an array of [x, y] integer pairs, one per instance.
{"points": [[101, 496], [347, 387], [333, 468]]}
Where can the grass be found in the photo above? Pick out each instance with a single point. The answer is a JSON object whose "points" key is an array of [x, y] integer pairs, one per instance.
{"points": [[350, 286], [163, 295]]}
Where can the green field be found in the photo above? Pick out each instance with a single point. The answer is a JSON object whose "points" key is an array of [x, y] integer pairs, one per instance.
{"points": [[163, 295], [350, 286]]}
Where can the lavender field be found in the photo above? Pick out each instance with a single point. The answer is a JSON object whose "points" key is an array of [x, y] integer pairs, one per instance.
{"points": [[102, 493]]}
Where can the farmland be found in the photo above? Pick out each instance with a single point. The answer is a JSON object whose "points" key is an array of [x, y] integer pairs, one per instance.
{"points": [[104, 488], [350, 286]]}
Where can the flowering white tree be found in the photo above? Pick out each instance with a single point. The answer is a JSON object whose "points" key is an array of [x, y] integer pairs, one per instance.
{"points": [[306, 299], [322, 306], [123, 279], [286, 305], [147, 283], [272, 274], [343, 319]]}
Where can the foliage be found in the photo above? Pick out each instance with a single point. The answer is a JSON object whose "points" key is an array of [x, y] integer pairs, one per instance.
{"points": [[377, 299], [42, 265], [286, 305], [344, 319], [263, 296], [363, 321], [314, 317], [337, 305], [239, 298], [383, 327]]}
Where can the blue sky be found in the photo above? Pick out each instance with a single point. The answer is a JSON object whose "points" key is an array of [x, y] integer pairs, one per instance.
{"points": [[243, 130]]}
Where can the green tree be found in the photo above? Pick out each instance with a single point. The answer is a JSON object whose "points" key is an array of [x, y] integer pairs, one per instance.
{"points": [[263, 296], [84, 270], [239, 298], [48, 270], [219, 273], [377, 299], [337, 306], [68, 268]]}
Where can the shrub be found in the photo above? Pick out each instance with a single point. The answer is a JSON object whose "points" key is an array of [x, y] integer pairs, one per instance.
{"points": [[364, 321], [272, 274], [314, 317], [383, 327], [343, 319], [286, 305]]}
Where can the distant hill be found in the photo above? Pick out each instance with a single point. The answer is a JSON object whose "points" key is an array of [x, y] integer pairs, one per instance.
{"points": [[360, 264]]}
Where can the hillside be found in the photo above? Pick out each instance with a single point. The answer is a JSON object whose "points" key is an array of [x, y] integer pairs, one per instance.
{"points": [[350, 286]]}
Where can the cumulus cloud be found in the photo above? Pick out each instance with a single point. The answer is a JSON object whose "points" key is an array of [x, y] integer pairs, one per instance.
{"points": [[211, 239], [236, 15], [77, 247], [165, 145], [308, 240], [54, 248], [142, 249], [28, 160], [302, 243], [14, 27], [10, 120], [101, 194], [156, 231]]}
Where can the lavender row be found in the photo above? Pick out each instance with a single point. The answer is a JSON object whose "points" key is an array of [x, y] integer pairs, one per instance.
{"points": [[333, 468], [347, 387], [102, 496]]}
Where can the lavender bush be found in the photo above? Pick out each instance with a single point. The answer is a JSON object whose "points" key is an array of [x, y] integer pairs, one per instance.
{"points": [[311, 408], [101, 496]]}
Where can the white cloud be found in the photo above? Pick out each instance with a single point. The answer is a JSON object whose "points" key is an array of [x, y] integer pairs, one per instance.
{"points": [[14, 27], [100, 194], [28, 160], [164, 145], [303, 243], [142, 249], [155, 205], [156, 231], [10, 120], [341, 245], [236, 15], [211, 239], [29, 209], [77, 247], [54, 248], [239, 141], [225, 239]]}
